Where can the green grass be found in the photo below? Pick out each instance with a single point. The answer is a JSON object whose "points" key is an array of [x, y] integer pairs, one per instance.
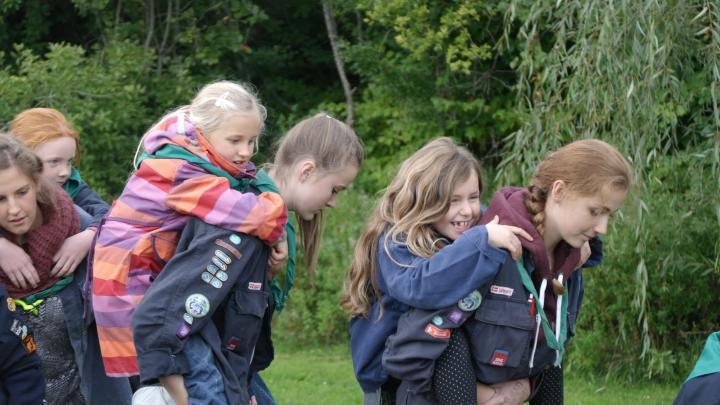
{"points": [[324, 376]]}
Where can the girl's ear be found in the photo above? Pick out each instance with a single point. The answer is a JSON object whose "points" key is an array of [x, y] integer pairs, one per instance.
{"points": [[306, 168], [558, 190]]}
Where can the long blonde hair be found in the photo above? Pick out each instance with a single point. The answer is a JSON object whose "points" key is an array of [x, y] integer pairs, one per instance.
{"points": [[585, 166], [332, 145], [418, 196]]}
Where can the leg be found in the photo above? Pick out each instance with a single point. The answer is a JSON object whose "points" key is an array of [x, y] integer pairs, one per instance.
{"points": [[260, 390], [454, 378], [550, 391], [203, 382]]}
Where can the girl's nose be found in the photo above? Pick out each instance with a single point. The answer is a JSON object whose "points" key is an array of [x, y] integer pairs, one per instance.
{"points": [[601, 226]]}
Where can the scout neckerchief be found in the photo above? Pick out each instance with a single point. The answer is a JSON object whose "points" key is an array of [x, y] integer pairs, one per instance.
{"points": [[552, 342], [264, 183], [709, 361], [73, 183]]}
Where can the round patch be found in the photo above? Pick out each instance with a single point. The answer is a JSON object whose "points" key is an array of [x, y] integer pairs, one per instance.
{"points": [[235, 239], [471, 302], [11, 304], [197, 305], [437, 320]]}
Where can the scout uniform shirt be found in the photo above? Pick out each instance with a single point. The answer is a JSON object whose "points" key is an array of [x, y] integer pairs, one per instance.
{"points": [[217, 277]]}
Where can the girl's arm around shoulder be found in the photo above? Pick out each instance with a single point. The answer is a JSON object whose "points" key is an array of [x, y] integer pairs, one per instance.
{"points": [[211, 199], [87, 199], [446, 277]]}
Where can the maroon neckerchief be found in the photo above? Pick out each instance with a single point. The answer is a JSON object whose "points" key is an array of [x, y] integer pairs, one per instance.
{"points": [[43, 243]]}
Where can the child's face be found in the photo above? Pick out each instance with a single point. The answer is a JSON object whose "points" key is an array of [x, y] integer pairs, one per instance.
{"points": [[576, 218], [57, 156], [235, 138], [18, 201], [464, 209], [318, 189]]}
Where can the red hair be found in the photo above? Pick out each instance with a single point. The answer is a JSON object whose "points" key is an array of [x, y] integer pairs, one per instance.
{"points": [[35, 126]]}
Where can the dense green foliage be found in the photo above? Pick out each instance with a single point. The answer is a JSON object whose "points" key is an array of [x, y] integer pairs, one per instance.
{"points": [[511, 79]]}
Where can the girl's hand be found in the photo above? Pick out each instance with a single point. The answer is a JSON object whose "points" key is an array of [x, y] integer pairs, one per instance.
{"points": [[17, 265], [513, 392], [504, 237], [71, 253], [584, 253], [175, 386], [253, 401], [276, 262]]}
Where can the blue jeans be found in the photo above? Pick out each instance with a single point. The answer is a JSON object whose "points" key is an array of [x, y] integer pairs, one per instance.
{"points": [[204, 382], [260, 390]]}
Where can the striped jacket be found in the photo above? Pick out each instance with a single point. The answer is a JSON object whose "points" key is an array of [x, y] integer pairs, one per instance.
{"points": [[140, 233]]}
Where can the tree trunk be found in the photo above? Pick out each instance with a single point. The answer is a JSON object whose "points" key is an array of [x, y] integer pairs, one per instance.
{"points": [[333, 37]]}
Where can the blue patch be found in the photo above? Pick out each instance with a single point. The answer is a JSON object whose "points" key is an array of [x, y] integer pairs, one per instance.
{"points": [[235, 239]]}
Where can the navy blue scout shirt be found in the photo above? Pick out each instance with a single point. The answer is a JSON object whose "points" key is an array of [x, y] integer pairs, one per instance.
{"points": [[216, 277], [20, 373], [438, 282]]}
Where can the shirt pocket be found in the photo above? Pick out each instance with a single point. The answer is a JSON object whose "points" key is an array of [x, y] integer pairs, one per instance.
{"points": [[500, 333], [243, 321]]}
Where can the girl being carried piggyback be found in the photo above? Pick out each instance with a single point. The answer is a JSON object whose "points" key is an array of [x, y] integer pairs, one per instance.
{"points": [[420, 249], [196, 163]]}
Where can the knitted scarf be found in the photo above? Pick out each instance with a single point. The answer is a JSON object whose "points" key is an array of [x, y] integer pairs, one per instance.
{"points": [[42, 244]]}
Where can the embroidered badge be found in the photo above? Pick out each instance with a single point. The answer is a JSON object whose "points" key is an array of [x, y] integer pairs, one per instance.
{"points": [[254, 286], [499, 290], [16, 328], [11, 304], [206, 277], [29, 344], [183, 331], [436, 332], [216, 283], [471, 302], [499, 358], [235, 239], [230, 248], [197, 305], [222, 276], [437, 320], [455, 316], [24, 332], [217, 262], [223, 256], [188, 318], [211, 268], [233, 342]]}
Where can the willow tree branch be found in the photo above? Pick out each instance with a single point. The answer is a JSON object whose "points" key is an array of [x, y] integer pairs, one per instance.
{"points": [[333, 37]]}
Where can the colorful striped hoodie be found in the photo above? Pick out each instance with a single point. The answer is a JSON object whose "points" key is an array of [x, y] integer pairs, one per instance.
{"points": [[140, 233]]}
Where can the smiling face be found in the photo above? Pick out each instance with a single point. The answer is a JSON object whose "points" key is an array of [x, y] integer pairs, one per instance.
{"points": [[19, 211], [57, 156], [313, 189], [576, 218], [464, 209], [235, 138]]}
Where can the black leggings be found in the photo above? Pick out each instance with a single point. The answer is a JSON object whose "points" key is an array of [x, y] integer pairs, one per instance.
{"points": [[454, 378]]}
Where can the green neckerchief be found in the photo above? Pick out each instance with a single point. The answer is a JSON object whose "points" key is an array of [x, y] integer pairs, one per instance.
{"points": [[709, 361], [264, 183], [53, 289], [170, 151], [552, 342], [73, 183]]}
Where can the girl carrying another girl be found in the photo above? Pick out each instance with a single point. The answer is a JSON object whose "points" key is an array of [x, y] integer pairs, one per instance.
{"points": [[529, 309], [47, 132], [196, 163], [421, 249], [201, 338], [38, 216]]}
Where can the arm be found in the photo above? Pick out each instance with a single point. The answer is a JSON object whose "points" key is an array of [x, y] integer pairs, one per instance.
{"points": [[17, 265], [446, 277], [90, 201], [211, 199], [160, 324]]}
